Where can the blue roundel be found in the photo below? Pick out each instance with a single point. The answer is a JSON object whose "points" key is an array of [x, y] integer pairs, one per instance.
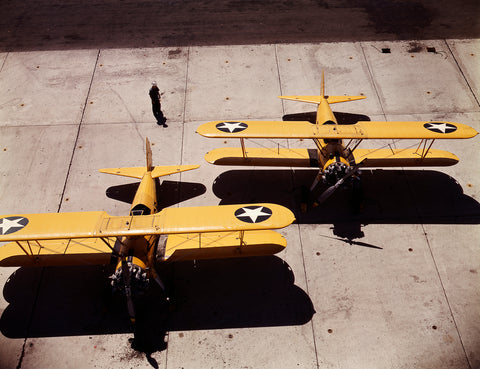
{"points": [[253, 214], [231, 127], [440, 127], [12, 224]]}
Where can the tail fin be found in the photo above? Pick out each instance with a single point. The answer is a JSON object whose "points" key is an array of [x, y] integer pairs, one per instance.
{"points": [[149, 155]]}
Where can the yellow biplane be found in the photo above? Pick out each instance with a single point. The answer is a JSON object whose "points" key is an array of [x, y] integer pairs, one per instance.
{"points": [[137, 242], [336, 161]]}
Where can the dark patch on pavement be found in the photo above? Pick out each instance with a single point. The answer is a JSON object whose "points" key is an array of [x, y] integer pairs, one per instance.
{"points": [[42, 25]]}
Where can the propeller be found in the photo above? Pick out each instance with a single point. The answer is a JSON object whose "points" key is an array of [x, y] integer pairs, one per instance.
{"points": [[127, 282], [330, 190]]}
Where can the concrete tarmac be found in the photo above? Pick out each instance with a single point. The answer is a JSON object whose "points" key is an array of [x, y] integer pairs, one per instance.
{"points": [[392, 285]]}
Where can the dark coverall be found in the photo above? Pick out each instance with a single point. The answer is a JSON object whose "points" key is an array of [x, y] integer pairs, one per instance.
{"points": [[156, 107]]}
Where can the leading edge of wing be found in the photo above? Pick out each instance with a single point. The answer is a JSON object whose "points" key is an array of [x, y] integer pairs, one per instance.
{"points": [[51, 226]]}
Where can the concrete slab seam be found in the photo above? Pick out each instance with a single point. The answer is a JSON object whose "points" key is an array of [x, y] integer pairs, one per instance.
{"points": [[30, 319], [184, 119], [422, 224], [279, 77], [4, 61], [306, 286], [462, 73], [372, 78], [78, 131]]}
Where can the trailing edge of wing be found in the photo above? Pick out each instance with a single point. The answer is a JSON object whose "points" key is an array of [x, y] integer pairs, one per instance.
{"points": [[52, 226]]}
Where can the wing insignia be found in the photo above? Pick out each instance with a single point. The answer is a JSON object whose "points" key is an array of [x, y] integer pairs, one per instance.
{"points": [[359, 130], [53, 226]]}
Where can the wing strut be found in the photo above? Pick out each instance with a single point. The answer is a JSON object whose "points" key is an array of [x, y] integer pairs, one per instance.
{"points": [[243, 147], [108, 245], [240, 236], [25, 251], [425, 150]]}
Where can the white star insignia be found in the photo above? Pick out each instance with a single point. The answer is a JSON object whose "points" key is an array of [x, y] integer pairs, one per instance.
{"points": [[253, 213], [7, 224], [231, 127], [440, 127]]}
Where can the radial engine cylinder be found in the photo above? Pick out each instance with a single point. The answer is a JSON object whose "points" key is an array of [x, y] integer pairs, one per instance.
{"points": [[137, 274], [334, 170]]}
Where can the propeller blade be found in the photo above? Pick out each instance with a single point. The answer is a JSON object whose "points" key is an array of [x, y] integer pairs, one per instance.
{"points": [[329, 191], [128, 289], [315, 182]]}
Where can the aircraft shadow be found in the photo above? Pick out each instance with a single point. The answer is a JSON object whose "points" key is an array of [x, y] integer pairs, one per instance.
{"points": [[168, 192], [342, 118], [70, 301], [388, 197], [237, 293]]}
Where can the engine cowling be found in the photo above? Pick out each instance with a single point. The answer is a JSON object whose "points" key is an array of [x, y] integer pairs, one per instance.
{"points": [[335, 169], [139, 280]]}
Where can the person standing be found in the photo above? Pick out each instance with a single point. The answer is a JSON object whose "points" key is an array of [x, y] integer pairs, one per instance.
{"points": [[156, 107]]}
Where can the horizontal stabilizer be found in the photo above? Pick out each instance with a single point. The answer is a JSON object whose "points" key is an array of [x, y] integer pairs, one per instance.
{"points": [[195, 246], [318, 99], [139, 172]]}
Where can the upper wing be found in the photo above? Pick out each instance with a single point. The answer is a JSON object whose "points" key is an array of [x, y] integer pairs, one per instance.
{"points": [[52, 226], [360, 130]]}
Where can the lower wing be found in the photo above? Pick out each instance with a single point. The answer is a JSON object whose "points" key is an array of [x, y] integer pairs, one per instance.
{"points": [[309, 157], [219, 245], [79, 251]]}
